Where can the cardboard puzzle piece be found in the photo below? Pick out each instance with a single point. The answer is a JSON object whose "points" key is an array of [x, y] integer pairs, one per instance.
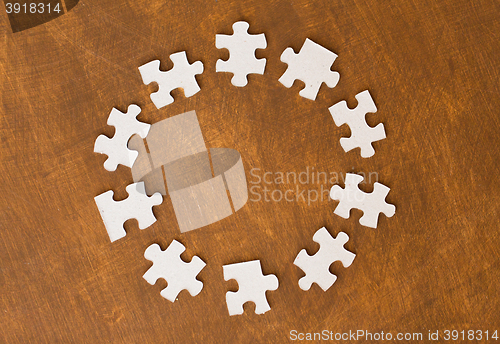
{"points": [[362, 135], [311, 65], [372, 204], [241, 46], [169, 266], [252, 286], [317, 266], [126, 125], [182, 75], [138, 206]]}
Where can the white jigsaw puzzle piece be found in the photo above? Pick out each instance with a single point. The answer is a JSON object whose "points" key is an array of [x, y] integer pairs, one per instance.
{"points": [[252, 286], [169, 266], [317, 266], [362, 135], [182, 75], [241, 46], [126, 125], [137, 206], [311, 65], [372, 204]]}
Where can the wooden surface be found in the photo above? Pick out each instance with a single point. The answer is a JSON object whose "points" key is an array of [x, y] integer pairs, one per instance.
{"points": [[432, 68]]}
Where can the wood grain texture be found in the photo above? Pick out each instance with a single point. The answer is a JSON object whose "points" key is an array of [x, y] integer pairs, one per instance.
{"points": [[432, 68]]}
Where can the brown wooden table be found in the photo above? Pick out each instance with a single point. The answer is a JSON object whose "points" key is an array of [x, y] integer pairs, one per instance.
{"points": [[432, 68]]}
